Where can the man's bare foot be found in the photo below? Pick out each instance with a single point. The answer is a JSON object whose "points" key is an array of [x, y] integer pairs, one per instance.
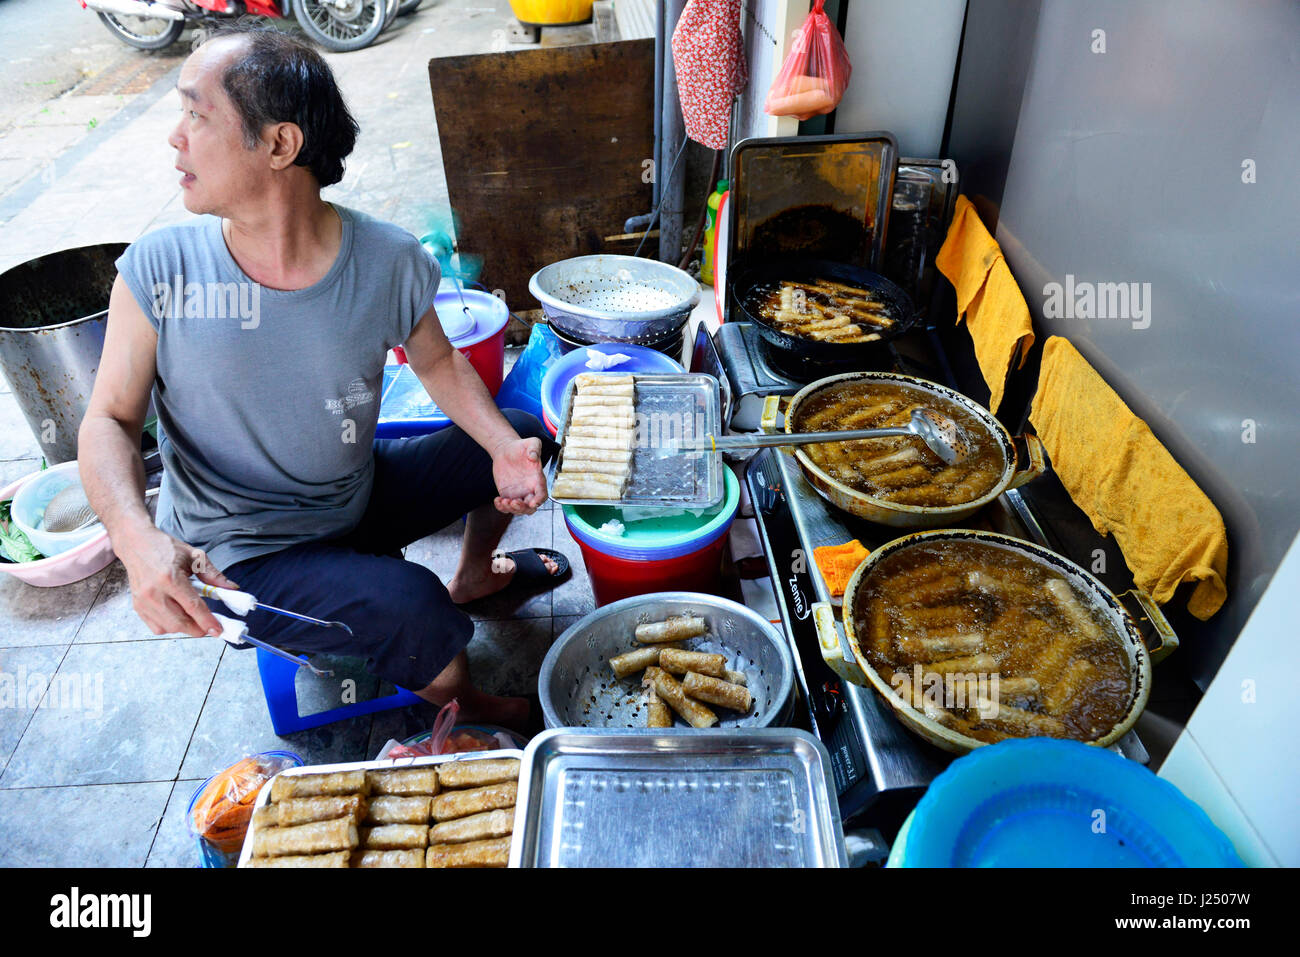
{"points": [[470, 584]]}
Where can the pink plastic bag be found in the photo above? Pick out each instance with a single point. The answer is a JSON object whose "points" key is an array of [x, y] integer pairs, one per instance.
{"points": [[815, 72], [446, 738]]}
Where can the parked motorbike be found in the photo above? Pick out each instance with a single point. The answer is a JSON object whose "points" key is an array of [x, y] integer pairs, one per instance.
{"points": [[339, 25]]}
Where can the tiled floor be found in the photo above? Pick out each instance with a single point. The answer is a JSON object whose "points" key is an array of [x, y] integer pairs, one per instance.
{"points": [[132, 723]]}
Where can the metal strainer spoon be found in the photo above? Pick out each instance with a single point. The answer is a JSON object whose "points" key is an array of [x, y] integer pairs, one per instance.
{"points": [[940, 434], [69, 511]]}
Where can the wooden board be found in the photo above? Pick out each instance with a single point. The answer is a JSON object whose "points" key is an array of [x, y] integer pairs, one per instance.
{"points": [[546, 152]]}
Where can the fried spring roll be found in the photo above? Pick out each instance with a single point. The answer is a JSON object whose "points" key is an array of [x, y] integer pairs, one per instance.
{"points": [[311, 838], [657, 713], [634, 661], [673, 628], [565, 488], [1025, 723], [394, 809], [454, 804], [621, 441], [929, 647], [984, 664], [940, 617], [627, 392], [680, 662], [886, 464], [694, 713], [1072, 681], [736, 678], [901, 478], [266, 816], [720, 693], [474, 774], [1073, 609], [476, 827], [335, 859], [324, 808], [395, 837], [410, 857], [1007, 687], [421, 780], [938, 591], [623, 454], [920, 701], [585, 400], [603, 378], [493, 853], [286, 786], [1014, 592], [576, 463], [878, 636]]}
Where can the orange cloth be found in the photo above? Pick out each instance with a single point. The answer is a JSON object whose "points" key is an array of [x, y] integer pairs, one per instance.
{"points": [[1117, 471], [987, 297], [838, 563]]}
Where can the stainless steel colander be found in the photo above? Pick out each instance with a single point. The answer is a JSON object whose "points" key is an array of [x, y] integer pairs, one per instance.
{"points": [[615, 298], [578, 688]]}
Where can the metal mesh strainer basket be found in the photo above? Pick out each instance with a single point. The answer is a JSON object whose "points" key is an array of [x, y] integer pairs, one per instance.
{"points": [[615, 298], [578, 688]]}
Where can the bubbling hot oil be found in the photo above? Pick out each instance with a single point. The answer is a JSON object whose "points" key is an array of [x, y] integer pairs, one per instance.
{"points": [[993, 609], [899, 469]]}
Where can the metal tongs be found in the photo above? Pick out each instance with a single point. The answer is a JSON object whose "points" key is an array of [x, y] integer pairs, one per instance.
{"points": [[242, 603]]}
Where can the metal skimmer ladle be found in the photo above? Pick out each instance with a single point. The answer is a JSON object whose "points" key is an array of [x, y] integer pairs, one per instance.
{"points": [[940, 434]]}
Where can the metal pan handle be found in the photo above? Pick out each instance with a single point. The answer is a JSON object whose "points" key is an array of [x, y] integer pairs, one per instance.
{"points": [[835, 646], [1034, 456], [1151, 622], [773, 421]]}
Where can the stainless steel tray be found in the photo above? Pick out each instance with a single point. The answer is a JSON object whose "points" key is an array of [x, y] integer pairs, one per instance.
{"points": [[264, 795], [671, 409], [753, 798]]}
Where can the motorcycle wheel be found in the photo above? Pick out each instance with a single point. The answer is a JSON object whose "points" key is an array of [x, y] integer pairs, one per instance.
{"points": [[342, 26], [143, 33], [391, 15], [408, 7]]}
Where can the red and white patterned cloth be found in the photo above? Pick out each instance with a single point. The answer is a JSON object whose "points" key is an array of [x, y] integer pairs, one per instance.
{"points": [[709, 57]]}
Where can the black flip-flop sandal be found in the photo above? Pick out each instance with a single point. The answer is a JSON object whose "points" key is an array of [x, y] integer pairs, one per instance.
{"points": [[530, 570]]}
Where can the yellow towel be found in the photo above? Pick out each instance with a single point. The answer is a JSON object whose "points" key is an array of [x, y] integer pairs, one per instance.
{"points": [[1117, 471], [987, 297]]}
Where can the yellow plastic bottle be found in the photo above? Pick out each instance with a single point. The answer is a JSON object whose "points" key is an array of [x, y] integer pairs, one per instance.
{"points": [[710, 229]]}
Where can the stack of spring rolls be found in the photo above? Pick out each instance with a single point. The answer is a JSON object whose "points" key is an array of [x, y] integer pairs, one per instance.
{"points": [[596, 462], [706, 681], [454, 814]]}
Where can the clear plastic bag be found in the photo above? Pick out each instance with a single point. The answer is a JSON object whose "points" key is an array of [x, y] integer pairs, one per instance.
{"points": [[815, 72], [220, 814], [447, 737]]}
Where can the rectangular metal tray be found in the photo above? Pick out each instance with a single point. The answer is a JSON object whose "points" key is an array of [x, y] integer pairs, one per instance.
{"points": [[264, 795], [670, 407], [646, 798]]}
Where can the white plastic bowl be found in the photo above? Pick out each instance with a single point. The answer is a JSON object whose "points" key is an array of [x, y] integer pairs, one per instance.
{"points": [[29, 506], [80, 561]]}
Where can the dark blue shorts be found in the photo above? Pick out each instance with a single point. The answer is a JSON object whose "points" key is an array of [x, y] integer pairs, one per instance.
{"points": [[403, 620]]}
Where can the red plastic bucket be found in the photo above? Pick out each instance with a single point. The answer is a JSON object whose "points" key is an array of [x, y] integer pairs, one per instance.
{"points": [[614, 578], [676, 552], [475, 322]]}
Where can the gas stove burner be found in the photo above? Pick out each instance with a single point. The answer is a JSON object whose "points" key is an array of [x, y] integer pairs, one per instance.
{"points": [[807, 370]]}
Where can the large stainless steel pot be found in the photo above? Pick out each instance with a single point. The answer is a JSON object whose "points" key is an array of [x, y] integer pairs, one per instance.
{"points": [[843, 653], [890, 513], [53, 316]]}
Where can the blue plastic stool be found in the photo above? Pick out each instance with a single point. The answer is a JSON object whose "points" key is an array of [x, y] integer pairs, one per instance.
{"points": [[282, 698]]}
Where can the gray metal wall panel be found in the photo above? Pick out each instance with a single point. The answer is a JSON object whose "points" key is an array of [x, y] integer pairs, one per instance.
{"points": [[1125, 166]]}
